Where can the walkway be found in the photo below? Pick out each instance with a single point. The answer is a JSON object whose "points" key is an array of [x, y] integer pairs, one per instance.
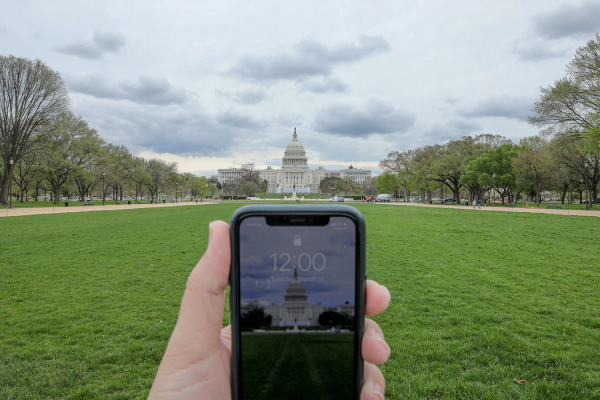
{"points": [[16, 212], [584, 213]]}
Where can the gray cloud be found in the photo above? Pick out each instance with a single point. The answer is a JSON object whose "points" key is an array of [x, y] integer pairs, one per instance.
{"points": [[239, 121], [452, 129], [358, 120], [182, 131], [245, 96], [500, 106], [101, 43], [147, 89], [308, 58], [569, 20], [535, 51], [323, 85]]}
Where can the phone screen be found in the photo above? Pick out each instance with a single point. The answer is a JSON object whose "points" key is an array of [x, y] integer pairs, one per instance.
{"points": [[297, 291]]}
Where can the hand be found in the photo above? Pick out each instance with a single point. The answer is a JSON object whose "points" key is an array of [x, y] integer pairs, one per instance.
{"points": [[197, 362]]}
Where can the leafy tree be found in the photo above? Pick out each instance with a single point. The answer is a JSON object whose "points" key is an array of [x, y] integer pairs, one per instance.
{"points": [[212, 189], [342, 186], [495, 161], [567, 108], [255, 318], [91, 153], [159, 172], [264, 187], [24, 173], [326, 184], [249, 188], [31, 96], [424, 159], [331, 319], [388, 183], [66, 143], [198, 186], [140, 177]]}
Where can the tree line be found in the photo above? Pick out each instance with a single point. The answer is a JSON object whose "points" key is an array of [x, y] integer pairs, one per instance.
{"points": [[44, 146], [563, 157]]}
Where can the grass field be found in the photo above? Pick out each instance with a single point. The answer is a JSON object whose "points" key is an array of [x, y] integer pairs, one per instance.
{"points": [[88, 300], [280, 364]]}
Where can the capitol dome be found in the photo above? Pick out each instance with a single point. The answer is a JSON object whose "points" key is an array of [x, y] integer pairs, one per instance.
{"points": [[295, 144], [295, 293], [294, 156]]}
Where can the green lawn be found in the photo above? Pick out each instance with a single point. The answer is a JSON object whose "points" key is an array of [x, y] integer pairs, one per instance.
{"points": [[280, 363], [88, 300]]}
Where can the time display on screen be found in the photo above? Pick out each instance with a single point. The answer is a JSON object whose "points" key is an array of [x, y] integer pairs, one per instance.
{"points": [[304, 262]]}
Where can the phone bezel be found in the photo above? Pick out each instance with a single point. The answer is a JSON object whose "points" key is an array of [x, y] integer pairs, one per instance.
{"points": [[360, 278]]}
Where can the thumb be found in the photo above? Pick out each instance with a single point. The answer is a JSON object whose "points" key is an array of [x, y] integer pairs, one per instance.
{"points": [[201, 315]]}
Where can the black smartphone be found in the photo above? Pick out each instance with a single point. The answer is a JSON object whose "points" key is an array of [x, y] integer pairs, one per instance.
{"points": [[297, 302]]}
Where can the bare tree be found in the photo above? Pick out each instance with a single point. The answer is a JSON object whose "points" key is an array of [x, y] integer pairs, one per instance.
{"points": [[31, 95], [249, 173]]}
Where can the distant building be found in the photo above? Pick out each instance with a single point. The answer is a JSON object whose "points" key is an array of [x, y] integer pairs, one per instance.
{"points": [[295, 309], [294, 172]]}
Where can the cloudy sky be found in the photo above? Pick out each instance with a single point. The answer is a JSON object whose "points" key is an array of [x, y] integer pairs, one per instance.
{"points": [[203, 83]]}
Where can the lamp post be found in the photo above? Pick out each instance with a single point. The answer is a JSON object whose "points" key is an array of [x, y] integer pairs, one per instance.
{"points": [[10, 166], [103, 192], [181, 193], [587, 188], [494, 205]]}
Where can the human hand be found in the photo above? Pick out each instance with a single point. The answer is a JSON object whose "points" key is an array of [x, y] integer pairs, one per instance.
{"points": [[197, 362]]}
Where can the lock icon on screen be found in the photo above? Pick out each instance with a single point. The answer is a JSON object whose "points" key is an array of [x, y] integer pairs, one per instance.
{"points": [[297, 240]]}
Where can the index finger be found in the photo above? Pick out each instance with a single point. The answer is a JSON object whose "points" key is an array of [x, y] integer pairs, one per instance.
{"points": [[378, 298]]}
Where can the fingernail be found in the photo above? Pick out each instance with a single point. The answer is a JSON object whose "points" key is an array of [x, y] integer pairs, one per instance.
{"points": [[378, 389], [210, 231], [389, 294], [381, 340]]}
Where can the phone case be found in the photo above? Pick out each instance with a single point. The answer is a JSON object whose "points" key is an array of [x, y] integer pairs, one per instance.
{"points": [[331, 210]]}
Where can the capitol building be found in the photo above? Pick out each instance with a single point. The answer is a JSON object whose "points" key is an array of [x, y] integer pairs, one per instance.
{"points": [[296, 310], [294, 172]]}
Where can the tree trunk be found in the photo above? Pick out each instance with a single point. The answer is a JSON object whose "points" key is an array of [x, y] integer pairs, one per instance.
{"points": [[4, 191], [56, 189]]}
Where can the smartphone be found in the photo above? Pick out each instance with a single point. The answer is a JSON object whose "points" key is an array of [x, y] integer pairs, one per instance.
{"points": [[297, 302]]}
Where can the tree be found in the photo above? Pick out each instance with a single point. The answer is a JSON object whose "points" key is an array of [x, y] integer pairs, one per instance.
{"points": [[264, 187], [326, 184], [249, 173], [330, 319], [389, 183], [198, 186], [24, 173], [341, 186], [369, 186], [255, 317], [140, 176], [88, 172], [32, 95], [424, 159], [66, 142], [401, 164], [532, 170], [249, 188], [158, 172], [566, 108], [495, 161]]}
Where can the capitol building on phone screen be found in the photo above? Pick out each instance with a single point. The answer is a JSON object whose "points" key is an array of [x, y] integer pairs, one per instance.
{"points": [[294, 172], [295, 310]]}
